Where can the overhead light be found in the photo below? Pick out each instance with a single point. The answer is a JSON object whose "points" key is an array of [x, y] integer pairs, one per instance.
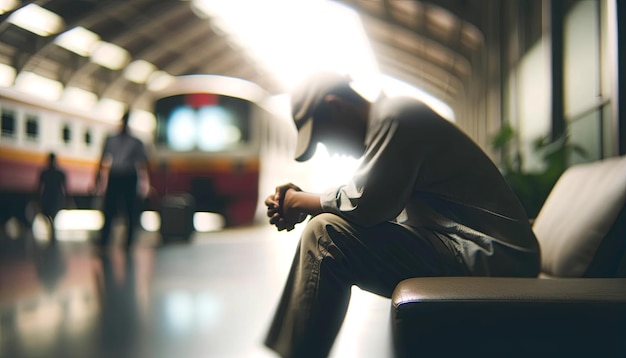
{"points": [[8, 5], [79, 98], [32, 83], [159, 80], [112, 109], [109, 55], [138, 71], [37, 20], [286, 37], [78, 40], [7, 75], [142, 121]]}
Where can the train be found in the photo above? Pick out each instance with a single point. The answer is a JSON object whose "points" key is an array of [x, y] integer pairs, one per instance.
{"points": [[210, 139]]}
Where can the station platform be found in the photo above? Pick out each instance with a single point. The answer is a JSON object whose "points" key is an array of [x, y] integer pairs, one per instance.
{"points": [[211, 297]]}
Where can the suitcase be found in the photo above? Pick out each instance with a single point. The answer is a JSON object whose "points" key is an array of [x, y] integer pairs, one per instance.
{"points": [[176, 213]]}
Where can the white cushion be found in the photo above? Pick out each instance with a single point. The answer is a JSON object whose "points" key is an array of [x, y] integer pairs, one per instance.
{"points": [[578, 213]]}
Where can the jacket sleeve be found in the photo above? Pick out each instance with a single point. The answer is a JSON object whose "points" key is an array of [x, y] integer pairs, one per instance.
{"points": [[384, 182]]}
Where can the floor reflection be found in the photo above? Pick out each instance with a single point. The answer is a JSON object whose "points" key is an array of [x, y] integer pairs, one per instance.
{"points": [[212, 297]]}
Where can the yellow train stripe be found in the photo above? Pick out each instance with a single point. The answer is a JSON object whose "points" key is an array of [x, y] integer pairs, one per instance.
{"points": [[41, 158]]}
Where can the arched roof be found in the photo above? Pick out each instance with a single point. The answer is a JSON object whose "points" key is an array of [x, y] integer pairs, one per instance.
{"points": [[435, 45]]}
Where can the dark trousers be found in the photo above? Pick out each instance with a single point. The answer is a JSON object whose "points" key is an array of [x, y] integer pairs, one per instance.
{"points": [[121, 193], [332, 256]]}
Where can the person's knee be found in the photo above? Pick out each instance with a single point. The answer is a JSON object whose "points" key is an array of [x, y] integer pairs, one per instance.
{"points": [[322, 227], [319, 224]]}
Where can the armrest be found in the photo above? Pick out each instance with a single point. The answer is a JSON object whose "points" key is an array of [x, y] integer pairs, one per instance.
{"points": [[448, 316]]}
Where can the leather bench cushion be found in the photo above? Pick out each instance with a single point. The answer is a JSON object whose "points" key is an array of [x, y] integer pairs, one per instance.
{"points": [[577, 215], [448, 316]]}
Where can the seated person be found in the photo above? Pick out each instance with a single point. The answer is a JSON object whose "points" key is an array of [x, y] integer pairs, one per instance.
{"points": [[459, 216]]}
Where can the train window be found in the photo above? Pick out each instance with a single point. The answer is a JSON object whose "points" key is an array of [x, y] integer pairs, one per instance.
{"points": [[66, 134], [32, 127], [87, 138], [202, 121], [8, 123]]}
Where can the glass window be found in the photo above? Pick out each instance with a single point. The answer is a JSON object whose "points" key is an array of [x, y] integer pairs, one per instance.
{"points": [[32, 127], [66, 134], [87, 138], [586, 134], [8, 123], [203, 121]]}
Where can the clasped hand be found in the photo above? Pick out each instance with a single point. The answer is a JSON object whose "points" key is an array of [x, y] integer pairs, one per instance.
{"points": [[280, 211]]}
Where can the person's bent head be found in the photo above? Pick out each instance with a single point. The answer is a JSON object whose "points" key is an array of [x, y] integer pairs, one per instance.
{"points": [[326, 109]]}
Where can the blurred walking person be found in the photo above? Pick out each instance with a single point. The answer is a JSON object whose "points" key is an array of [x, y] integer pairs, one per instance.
{"points": [[124, 156], [52, 190]]}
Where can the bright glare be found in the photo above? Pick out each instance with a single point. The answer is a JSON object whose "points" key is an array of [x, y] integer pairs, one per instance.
{"points": [[158, 80], [41, 228], [222, 85], [150, 221], [296, 38], [111, 109], [29, 82], [215, 130], [180, 129], [88, 220], [139, 71], [7, 75], [78, 40], [394, 87], [37, 20], [79, 98], [331, 170], [109, 55], [13, 228], [8, 5], [205, 221], [142, 121]]}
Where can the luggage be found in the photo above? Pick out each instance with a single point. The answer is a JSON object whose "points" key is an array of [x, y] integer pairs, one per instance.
{"points": [[176, 213]]}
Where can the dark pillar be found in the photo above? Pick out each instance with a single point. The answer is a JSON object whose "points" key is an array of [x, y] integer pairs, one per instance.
{"points": [[620, 7], [556, 68]]}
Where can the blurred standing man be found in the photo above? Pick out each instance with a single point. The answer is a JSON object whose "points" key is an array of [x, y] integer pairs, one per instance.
{"points": [[459, 216], [125, 158], [52, 191]]}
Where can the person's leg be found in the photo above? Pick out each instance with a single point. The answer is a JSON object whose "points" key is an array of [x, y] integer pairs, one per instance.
{"points": [[332, 256], [130, 205], [109, 210]]}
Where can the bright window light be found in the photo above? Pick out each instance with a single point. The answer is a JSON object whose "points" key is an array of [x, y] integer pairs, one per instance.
{"points": [[78, 40], [79, 98], [158, 80], [40, 86], [296, 38], [205, 221], [139, 71], [180, 129], [109, 55], [394, 87], [111, 109], [150, 221], [7, 75], [37, 20], [8, 5], [215, 130]]}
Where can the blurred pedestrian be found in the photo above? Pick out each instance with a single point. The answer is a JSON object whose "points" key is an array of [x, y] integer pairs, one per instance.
{"points": [[124, 158], [52, 190]]}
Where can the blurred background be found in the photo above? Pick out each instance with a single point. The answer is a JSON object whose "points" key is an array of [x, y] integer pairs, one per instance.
{"points": [[536, 83]]}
